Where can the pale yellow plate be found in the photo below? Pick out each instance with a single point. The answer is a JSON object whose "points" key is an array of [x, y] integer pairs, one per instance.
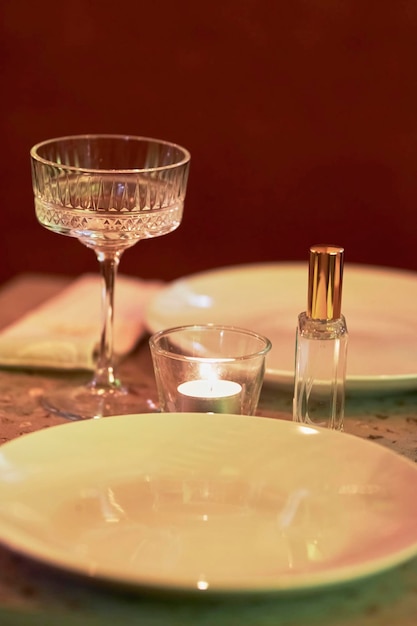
{"points": [[207, 503], [380, 306]]}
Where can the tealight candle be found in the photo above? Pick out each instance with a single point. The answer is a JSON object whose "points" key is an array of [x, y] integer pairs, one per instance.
{"points": [[210, 396]]}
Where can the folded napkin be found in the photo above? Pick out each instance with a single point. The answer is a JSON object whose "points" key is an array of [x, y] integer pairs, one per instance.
{"points": [[64, 332]]}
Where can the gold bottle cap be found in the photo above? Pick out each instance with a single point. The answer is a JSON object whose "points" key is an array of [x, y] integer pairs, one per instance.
{"points": [[325, 282]]}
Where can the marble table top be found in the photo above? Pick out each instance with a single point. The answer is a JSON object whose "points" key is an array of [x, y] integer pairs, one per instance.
{"points": [[37, 594]]}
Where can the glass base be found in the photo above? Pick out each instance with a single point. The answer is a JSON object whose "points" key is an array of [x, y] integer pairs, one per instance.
{"points": [[86, 402]]}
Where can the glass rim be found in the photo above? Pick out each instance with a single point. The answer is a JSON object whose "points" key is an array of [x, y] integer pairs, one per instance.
{"points": [[137, 138], [234, 329]]}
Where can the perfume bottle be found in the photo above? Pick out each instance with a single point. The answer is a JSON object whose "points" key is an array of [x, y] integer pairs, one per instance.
{"points": [[321, 344]]}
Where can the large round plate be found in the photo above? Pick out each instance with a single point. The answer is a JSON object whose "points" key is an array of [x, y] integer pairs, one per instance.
{"points": [[213, 503], [380, 306]]}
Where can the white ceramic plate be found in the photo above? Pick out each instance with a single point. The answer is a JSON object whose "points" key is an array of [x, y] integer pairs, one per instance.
{"points": [[216, 503], [380, 306]]}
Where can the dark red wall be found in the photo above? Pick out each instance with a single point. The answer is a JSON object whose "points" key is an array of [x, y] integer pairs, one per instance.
{"points": [[301, 117]]}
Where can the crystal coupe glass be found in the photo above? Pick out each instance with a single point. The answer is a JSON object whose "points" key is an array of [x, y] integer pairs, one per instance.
{"points": [[108, 191]]}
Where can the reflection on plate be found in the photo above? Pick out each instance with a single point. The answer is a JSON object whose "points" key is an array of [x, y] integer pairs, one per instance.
{"points": [[380, 306], [209, 503]]}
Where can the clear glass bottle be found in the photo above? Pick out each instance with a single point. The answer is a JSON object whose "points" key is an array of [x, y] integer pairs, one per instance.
{"points": [[321, 344]]}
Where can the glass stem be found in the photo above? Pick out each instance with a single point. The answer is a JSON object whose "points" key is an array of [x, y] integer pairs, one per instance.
{"points": [[104, 377]]}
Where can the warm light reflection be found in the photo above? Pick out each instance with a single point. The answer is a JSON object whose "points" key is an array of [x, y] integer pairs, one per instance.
{"points": [[208, 371], [9, 472], [111, 510], [307, 430], [313, 551], [201, 301], [291, 507], [202, 584]]}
